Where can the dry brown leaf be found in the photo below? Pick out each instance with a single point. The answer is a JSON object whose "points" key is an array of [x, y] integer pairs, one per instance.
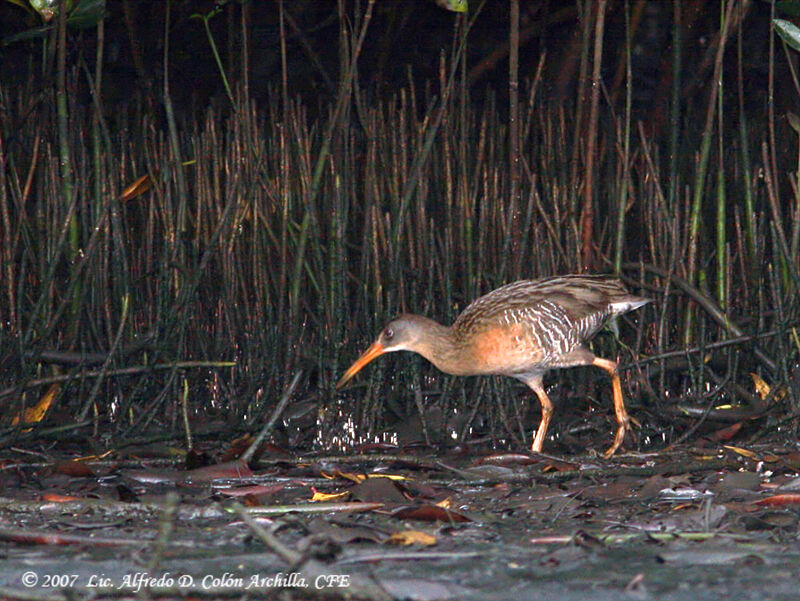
{"points": [[143, 184], [137, 188], [76, 469], [779, 500]]}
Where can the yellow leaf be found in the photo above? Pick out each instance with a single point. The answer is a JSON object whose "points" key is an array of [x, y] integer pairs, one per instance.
{"points": [[762, 388], [94, 457], [741, 451], [412, 537], [357, 478], [445, 503], [35, 414], [324, 496], [456, 6]]}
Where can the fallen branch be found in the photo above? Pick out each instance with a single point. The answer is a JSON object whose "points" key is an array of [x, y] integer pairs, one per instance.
{"points": [[123, 371]]}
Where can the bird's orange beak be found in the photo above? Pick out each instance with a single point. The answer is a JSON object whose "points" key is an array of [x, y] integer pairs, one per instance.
{"points": [[376, 350]]}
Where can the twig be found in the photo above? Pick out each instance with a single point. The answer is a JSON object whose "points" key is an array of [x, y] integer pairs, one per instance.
{"points": [[360, 587], [290, 556], [276, 413], [712, 396], [408, 460], [51, 538], [33, 431], [124, 371], [697, 349]]}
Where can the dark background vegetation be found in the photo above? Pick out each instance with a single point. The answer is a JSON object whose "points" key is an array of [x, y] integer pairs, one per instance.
{"points": [[362, 159]]}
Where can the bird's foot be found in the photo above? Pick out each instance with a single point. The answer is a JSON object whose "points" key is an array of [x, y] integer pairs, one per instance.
{"points": [[619, 437]]}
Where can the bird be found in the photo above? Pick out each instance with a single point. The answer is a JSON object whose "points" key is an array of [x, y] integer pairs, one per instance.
{"points": [[521, 330]]}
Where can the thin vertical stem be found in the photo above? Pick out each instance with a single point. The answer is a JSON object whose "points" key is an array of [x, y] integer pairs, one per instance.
{"points": [[702, 168], [626, 151], [675, 102], [744, 143], [587, 226], [513, 134], [65, 156], [721, 199]]}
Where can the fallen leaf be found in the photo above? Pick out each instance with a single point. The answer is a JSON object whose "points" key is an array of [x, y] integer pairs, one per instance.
{"points": [[762, 388], [325, 496], [378, 490], [35, 414], [743, 452], [352, 476], [345, 533], [255, 490], [52, 497], [725, 433], [779, 500], [428, 513], [230, 470], [74, 469], [137, 188], [412, 537], [507, 460]]}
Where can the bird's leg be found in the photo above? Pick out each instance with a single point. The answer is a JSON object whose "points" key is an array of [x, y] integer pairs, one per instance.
{"points": [[623, 420], [547, 413]]}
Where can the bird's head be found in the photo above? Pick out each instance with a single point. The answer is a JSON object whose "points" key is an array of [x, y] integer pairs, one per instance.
{"points": [[401, 334]]}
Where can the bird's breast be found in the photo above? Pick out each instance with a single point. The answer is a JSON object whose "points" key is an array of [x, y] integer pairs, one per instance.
{"points": [[505, 349]]}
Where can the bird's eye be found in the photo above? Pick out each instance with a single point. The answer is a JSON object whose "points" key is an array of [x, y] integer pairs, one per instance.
{"points": [[388, 333]]}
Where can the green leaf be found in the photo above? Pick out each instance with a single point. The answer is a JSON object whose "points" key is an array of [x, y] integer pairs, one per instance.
{"points": [[22, 4], [789, 32], [46, 8], [28, 34], [457, 6], [794, 121], [87, 13]]}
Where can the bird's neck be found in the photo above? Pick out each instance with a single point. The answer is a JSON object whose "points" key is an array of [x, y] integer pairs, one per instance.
{"points": [[439, 345]]}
